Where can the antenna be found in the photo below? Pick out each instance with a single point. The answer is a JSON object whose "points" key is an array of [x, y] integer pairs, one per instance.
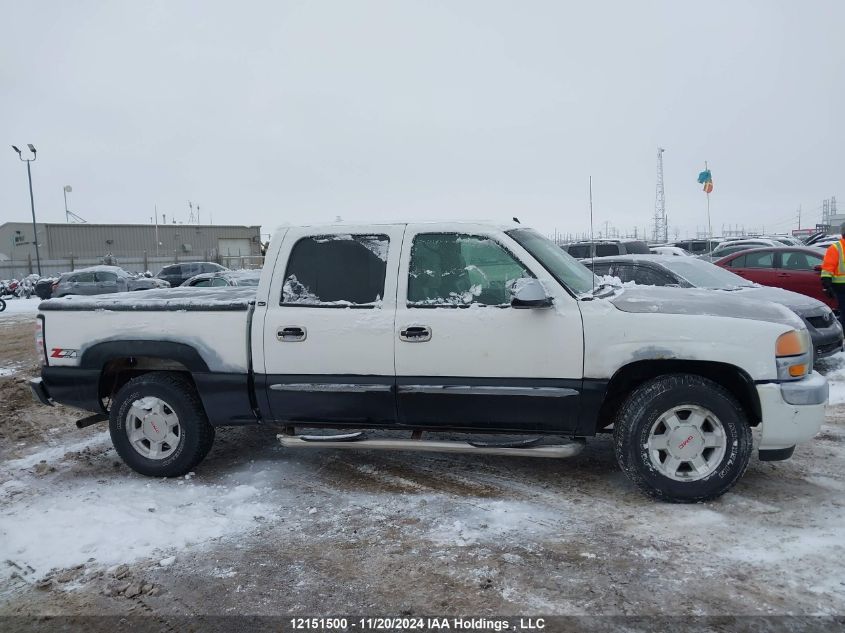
{"points": [[592, 243], [70, 216]]}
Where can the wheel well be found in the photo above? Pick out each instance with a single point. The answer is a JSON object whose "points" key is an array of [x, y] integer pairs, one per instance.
{"points": [[631, 376], [118, 371]]}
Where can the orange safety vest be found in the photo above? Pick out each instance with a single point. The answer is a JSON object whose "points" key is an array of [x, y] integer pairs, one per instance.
{"points": [[833, 265]]}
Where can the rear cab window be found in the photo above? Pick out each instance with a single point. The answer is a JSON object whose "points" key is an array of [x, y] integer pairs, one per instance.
{"points": [[336, 271]]}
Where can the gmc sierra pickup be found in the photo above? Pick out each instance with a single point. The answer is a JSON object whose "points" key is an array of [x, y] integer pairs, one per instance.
{"points": [[472, 328]]}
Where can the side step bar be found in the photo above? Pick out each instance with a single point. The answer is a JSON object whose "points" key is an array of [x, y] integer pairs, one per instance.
{"points": [[570, 449]]}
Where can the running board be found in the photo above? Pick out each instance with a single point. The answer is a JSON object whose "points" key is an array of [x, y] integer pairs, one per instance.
{"points": [[570, 449]]}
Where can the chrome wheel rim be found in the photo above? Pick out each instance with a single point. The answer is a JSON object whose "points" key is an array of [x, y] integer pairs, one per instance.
{"points": [[153, 428], [686, 443]]}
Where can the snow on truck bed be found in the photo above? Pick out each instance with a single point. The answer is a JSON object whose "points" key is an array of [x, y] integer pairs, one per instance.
{"points": [[165, 299]]}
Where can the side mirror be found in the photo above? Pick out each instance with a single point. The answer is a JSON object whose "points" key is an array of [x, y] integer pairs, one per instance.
{"points": [[818, 268], [529, 293]]}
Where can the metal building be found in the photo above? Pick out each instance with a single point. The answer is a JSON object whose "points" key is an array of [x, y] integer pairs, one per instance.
{"points": [[69, 246]]}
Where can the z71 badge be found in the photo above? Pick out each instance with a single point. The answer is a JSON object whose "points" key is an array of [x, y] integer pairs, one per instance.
{"points": [[58, 352]]}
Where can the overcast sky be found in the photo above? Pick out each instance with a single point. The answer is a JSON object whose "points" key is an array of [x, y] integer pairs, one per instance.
{"points": [[274, 112]]}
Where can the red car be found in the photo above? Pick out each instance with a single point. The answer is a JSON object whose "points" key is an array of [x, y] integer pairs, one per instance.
{"points": [[794, 268]]}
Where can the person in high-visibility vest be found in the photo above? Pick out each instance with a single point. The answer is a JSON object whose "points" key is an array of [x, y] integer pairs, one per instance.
{"points": [[833, 273]]}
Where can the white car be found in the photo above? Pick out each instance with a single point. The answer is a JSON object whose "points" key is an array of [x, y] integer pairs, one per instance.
{"points": [[470, 328], [672, 251]]}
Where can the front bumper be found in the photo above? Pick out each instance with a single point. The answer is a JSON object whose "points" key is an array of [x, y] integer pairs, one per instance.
{"points": [[793, 412], [826, 341]]}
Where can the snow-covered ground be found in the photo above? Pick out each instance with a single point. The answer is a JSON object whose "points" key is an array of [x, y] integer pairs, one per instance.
{"points": [[259, 529], [834, 368], [17, 308]]}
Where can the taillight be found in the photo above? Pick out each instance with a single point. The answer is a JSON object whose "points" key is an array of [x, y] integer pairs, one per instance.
{"points": [[39, 341]]}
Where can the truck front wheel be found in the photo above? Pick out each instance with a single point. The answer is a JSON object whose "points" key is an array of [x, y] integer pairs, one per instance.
{"points": [[682, 438], [158, 425]]}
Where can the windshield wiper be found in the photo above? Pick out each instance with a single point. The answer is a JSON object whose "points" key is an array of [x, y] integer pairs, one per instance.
{"points": [[595, 291]]}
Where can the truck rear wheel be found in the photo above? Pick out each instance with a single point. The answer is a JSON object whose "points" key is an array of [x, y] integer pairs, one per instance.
{"points": [[682, 438], [158, 425]]}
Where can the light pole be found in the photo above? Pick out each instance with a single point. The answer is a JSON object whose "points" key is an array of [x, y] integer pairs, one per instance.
{"points": [[31, 200]]}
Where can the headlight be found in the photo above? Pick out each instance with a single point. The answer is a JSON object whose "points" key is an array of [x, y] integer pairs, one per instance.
{"points": [[794, 357]]}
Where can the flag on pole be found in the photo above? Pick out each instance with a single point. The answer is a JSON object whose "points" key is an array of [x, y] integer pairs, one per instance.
{"points": [[706, 179]]}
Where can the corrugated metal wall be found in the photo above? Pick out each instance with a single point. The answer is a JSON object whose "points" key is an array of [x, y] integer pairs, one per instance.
{"points": [[189, 241]]}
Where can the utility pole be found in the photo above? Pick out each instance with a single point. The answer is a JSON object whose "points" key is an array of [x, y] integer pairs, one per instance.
{"points": [[31, 200], [661, 225]]}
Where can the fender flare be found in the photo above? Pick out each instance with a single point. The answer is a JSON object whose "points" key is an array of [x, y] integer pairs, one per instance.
{"points": [[96, 356]]}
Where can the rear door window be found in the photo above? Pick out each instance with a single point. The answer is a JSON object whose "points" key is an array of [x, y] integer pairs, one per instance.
{"points": [[637, 248], [104, 276], [763, 259], [579, 251], [644, 276], [336, 271]]}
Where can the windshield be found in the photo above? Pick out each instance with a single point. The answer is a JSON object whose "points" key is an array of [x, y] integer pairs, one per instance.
{"points": [[560, 264], [702, 274]]}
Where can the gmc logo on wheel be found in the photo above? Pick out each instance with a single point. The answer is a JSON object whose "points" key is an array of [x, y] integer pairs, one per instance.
{"points": [[58, 352], [685, 442]]}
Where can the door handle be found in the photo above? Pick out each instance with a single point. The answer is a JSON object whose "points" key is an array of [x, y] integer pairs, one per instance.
{"points": [[415, 334], [291, 334], [783, 274]]}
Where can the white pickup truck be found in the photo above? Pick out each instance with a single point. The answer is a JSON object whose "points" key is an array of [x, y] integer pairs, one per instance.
{"points": [[467, 328]]}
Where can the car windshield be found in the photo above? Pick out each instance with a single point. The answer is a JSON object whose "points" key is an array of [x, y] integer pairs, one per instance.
{"points": [[563, 267], [703, 274]]}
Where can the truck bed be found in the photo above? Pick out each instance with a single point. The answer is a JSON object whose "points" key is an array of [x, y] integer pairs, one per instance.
{"points": [[166, 299]]}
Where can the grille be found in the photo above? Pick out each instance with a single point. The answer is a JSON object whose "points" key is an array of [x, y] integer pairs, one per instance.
{"points": [[821, 321]]}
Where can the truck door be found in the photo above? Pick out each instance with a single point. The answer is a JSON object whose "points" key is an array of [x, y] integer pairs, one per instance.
{"points": [[464, 356], [328, 326]]}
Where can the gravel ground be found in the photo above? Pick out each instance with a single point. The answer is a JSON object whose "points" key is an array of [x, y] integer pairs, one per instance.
{"points": [[263, 530]]}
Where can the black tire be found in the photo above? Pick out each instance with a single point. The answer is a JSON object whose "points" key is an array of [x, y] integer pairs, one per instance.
{"points": [[196, 434], [645, 406], [2, 305]]}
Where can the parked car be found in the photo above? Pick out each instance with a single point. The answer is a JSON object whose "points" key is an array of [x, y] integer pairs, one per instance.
{"points": [[786, 240], [177, 274], [825, 242], [601, 248], [98, 280], [225, 278], [673, 251], [792, 268], [735, 246], [465, 328], [690, 272], [44, 287], [698, 246]]}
